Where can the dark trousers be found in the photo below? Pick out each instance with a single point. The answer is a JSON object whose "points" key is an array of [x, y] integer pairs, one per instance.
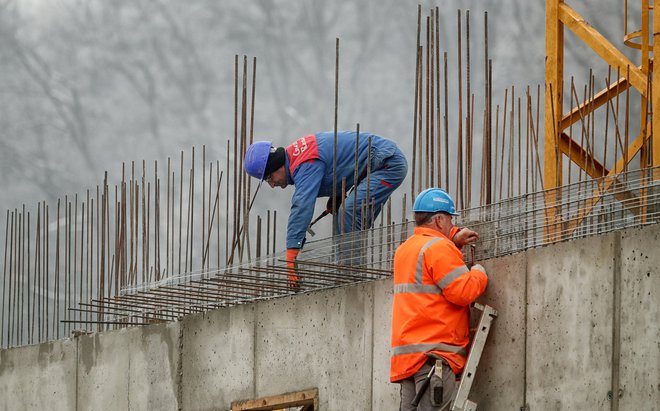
{"points": [[410, 385]]}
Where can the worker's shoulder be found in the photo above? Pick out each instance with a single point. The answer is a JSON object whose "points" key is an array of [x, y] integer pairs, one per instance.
{"points": [[418, 241], [442, 244]]}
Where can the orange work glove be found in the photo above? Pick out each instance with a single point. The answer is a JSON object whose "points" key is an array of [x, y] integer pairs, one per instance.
{"points": [[291, 254]]}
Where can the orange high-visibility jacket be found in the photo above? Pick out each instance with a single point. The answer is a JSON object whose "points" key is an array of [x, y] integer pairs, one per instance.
{"points": [[433, 290]]}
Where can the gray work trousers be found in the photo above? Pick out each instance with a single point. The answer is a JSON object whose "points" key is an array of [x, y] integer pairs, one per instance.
{"points": [[410, 385]]}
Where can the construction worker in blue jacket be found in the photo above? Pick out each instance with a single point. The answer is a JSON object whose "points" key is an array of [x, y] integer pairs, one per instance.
{"points": [[308, 165]]}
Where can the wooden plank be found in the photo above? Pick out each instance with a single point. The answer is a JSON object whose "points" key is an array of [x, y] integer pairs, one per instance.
{"points": [[293, 399]]}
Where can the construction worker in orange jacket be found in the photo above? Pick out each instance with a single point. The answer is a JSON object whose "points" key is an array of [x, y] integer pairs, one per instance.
{"points": [[433, 290]]}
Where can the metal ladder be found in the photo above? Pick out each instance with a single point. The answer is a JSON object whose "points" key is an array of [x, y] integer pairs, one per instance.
{"points": [[462, 403]]}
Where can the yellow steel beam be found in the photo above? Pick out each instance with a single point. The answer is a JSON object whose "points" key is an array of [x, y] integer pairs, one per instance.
{"points": [[581, 157], [615, 58], [597, 195], [655, 92], [643, 111], [599, 99], [554, 77]]}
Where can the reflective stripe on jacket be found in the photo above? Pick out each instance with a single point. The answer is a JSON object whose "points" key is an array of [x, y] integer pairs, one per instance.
{"points": [[433, 290]]}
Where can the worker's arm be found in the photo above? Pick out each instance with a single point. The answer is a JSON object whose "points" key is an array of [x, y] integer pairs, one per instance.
{"points": [[307, 179], [459, 284]]}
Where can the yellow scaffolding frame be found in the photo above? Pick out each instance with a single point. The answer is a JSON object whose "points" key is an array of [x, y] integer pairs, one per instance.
{"points": [[557, 143]]}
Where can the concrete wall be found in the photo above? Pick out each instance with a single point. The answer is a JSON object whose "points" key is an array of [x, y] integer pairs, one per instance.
{"points": [[564, 338]]}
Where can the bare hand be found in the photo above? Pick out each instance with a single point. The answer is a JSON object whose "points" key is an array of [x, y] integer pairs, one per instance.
{"points": [[465, 236]]}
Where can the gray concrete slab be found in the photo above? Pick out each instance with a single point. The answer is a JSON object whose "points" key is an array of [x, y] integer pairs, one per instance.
{"points": [[132, 369], [39, 377], [569, 321], [321, 339], [153, 361], [385, 394], [499, 381], [217, 358], [640, 319], [103, 364]]}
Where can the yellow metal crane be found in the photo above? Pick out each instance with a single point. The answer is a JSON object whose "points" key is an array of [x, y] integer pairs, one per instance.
{"points": [[638, 76]]}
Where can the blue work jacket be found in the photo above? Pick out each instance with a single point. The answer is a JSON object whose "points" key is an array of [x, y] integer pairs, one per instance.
{"points": [[313, 178]]}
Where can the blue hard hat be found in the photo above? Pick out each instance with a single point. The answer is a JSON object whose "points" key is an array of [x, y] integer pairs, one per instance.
{"points": [[434, 200], [256, 158]]}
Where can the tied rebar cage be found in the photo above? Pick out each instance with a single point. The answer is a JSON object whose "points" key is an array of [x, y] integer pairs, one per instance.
{"points": [[626, 200]]}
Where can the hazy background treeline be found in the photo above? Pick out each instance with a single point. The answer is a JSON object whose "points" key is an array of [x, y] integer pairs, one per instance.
{"points": [[88, 84]]}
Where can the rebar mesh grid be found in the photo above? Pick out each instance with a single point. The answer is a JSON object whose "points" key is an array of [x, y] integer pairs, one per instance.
{"points": [[626, 200]]}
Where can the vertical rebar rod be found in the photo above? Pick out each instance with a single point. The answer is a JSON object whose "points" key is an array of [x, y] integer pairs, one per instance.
{"points": [[417, 76], [268, 250], [446, 121], [37, 252], [22, 275], [82, 265], [459, 138], [469, 100], [4, 283], [186, 267], [627, 124], [236, 171], [203, 230], [181, 209], [243, 203], [192, 205], [12, 263], [366, 222], [167, 222], [607, 115], [343, 206], [258, 245], [431, 151], [89, 255], [46, 268], [334, 143], [206, 260], [56, 316], [438, 158], [274, 230], [217, 232], [75, 254], [420, 121], [356, 174], [427, 103], [228, 162], [519, 193]]}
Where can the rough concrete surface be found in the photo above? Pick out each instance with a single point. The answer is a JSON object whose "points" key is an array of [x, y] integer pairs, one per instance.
{"points": [[321, 339], [131, 369], [39, 377], [385, 394], [569, 334], [499, 381], [103, 368], [153, 361], [218, 358], [640, 320]]}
